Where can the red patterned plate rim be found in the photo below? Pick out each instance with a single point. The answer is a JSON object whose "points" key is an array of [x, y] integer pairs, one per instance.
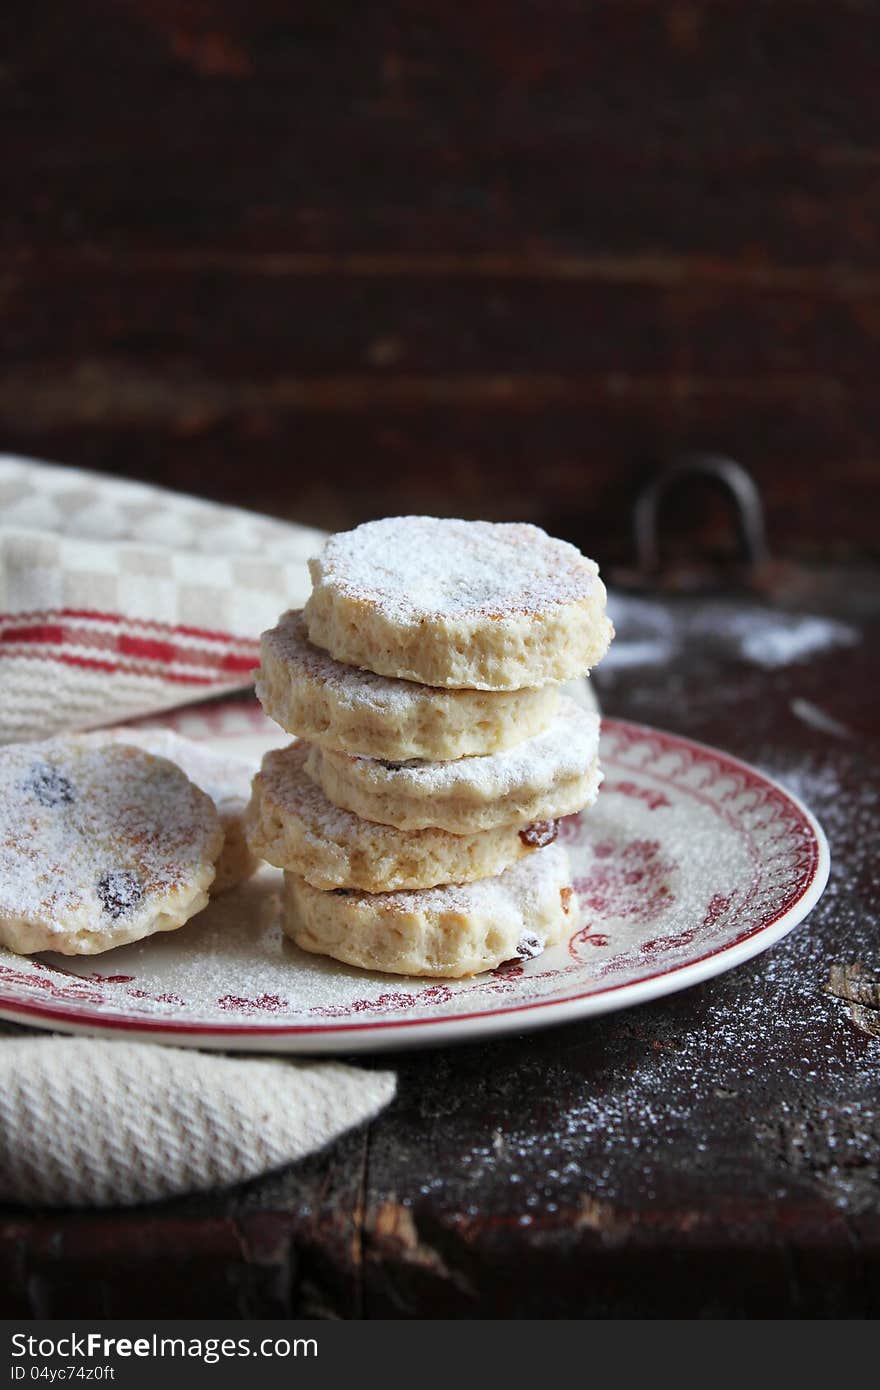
{"points": [[460, 1026]]}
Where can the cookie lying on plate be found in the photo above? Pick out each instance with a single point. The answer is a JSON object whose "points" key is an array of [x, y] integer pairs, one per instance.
{"points": [[291, 824], [226, 780], [550, 775], [100, 844], [473, 604], [309, 693], [449, 931]]}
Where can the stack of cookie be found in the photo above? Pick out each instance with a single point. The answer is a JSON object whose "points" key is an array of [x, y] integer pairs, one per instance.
{"points": [[416, 815]]}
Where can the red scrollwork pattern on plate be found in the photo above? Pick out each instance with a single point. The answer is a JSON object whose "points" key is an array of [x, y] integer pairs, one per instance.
{"points": [[625, 881]]}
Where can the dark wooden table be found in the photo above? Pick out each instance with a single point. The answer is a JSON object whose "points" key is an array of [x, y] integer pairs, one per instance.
{"points": [[346, 260], [716, 1153]]}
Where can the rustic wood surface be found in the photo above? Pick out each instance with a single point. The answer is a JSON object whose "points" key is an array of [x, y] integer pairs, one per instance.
{"points": [[715, 1153], [344, 260]]}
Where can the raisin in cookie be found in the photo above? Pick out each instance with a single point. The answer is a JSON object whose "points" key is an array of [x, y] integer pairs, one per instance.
{"points": [[465, 604], [291, 823], [99, 845], [448, 931]]}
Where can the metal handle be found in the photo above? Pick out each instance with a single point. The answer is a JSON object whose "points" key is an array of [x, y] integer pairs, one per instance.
{"points": [[736, 481]]}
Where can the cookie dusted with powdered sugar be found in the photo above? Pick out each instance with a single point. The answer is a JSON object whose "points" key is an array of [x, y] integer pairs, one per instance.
{"points": [[462, 604], [305, 690], [445, 932], [291, 823], [225, 779], [99, 845], [548, 776]]}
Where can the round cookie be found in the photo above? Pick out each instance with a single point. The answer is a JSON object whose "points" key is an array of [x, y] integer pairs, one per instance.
{"points": [[449, 931], [226, 780], [291, 823], [100, 844], [472, 604], [548, 776], [309, 693]]}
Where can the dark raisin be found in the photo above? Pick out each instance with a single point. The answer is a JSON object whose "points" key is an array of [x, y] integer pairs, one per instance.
{"points": [[120, 891], [529, 946], [541, 833], [48, 785]]}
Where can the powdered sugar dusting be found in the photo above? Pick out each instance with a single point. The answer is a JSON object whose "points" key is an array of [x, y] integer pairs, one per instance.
{"points": [[224, 778], [518, 890], [794, 639], [649, 633], [665, 1082], [566, 748], [287, 790], [530, 946], [818, 718], [352, 686], [90, 835], [289, 644], [684, 854], [416, 567], [293, 824]]}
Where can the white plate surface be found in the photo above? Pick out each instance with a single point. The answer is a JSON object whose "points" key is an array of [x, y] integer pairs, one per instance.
{"points": [[690, 863]]}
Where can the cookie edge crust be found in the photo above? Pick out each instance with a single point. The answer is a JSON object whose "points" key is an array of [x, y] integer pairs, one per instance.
{"points": [[236, 862], [308, 915], [526, 650], [567, 796], [449, 727], [288, 843], [26, 936]]}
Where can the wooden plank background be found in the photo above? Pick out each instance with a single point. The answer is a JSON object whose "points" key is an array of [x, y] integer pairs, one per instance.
{"points": [[341, 259]]}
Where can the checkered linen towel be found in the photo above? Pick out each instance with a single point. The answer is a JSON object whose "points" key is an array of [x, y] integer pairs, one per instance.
{"points": [[118, 599]]}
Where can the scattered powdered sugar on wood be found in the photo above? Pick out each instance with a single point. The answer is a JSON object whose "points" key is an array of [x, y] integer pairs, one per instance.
{"points": [[773, 1070], [758, 1083], [818, 718], [773, 639], [650, 633], [418, 567]]}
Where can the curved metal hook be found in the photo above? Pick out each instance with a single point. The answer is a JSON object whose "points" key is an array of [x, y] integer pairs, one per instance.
{"points": [[738, 483]]}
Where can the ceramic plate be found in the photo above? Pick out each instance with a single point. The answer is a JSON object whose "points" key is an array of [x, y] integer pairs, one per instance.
{"points": [[690, 863]]}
